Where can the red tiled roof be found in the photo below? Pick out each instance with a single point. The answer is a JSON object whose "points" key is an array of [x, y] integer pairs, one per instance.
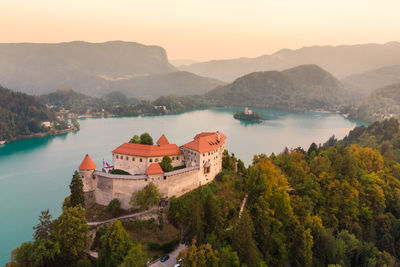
{"points": [[162, 141], [147, 150], [87, 164], [154, 168], [207, 141]]}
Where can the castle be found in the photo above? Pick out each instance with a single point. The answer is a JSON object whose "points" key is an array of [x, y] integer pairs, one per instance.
{"points": [[195, 163]]}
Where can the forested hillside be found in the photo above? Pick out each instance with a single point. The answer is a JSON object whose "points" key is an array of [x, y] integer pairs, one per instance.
{"points": [[302, 88], [332, 204], [382, 103], [21, 115], [335, 204]]}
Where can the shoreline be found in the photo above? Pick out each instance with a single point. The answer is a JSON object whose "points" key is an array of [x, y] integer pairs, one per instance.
{"points": [[91, 116], [40, 135]]}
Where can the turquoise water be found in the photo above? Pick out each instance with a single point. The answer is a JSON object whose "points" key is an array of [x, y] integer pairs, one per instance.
{"points": [[35, 173]]}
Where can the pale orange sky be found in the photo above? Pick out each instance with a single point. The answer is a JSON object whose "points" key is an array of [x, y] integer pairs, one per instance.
{"points": [[204, 29]]}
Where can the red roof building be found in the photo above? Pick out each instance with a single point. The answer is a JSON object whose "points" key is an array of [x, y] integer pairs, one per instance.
{"points": [[207, 141], [87, 164], [162, 141], [154, 169], [147, 150]]}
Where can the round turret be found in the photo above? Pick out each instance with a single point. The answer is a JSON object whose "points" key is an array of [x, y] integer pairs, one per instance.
{"points": [[86, 169]]}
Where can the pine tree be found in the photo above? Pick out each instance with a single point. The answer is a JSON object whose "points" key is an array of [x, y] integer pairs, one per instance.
{"points": [[76, 187], [42, 229]]}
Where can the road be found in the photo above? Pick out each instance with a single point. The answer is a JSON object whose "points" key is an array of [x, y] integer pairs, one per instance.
{"points": [[172, 258]]}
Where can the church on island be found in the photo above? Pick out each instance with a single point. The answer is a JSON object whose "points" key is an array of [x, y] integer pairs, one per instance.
{"points": [[195, 163]]}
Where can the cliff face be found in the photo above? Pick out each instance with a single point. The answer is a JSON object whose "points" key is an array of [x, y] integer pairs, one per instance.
{"points": [[85, 67]]}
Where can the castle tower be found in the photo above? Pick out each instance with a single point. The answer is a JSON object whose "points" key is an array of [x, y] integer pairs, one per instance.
{"points": [[86, 169]]}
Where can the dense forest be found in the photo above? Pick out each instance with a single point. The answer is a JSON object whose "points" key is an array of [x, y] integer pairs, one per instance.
{"points": [[21, 115], [118, 104], [300, 89], [334, 204]]}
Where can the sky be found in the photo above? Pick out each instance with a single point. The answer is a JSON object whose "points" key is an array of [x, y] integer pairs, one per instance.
{"points": [[203, 29]]}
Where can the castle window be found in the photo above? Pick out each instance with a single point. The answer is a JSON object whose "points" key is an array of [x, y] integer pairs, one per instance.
{"points": [[165, 177], [133, 159], [177, 158], [173, 158], [116, 156], [156, 160], [209, 153], [204, 154], [141, 160], [127, 158], [151, 160]]}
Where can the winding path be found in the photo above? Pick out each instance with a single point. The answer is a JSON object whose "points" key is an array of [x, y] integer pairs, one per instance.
{"points": [[125, 217]]}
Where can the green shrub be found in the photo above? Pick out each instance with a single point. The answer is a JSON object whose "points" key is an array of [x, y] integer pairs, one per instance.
{"points": [[155, 246], [114, 207], [170, 246], [118, 171]]}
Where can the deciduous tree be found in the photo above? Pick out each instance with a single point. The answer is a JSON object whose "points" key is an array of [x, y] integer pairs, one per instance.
{"points": [[166, 164], [136, 257], [146, 198], [146, 139], [115, 245], [70, 230]]}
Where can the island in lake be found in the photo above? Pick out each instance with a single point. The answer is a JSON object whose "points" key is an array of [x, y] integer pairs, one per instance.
{"points": [[248, 114]]}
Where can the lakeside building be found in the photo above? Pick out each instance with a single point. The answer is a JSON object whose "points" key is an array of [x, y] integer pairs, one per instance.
{"points": [[196, 163]]}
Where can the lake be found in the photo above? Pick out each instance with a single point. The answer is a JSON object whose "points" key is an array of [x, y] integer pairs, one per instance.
{"points": [[35, 173]]}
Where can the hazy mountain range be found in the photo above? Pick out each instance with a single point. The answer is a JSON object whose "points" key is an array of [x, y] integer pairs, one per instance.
{"points": [[364, 83], [296, 80], [96, 69], [341, 61]]}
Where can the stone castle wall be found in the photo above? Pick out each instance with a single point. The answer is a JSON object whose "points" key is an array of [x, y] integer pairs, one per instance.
{"points": [[109, 186]]}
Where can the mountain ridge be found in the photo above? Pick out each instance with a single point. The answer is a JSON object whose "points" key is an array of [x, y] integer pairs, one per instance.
{"points": [[340, 60]]}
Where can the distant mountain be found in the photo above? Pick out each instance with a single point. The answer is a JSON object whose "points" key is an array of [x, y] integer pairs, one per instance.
{"points": [[381, 104], [182, 62], [341, 61], [303, 88], [96, 69], [178, 83], [21, 115], [364, 83]]}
